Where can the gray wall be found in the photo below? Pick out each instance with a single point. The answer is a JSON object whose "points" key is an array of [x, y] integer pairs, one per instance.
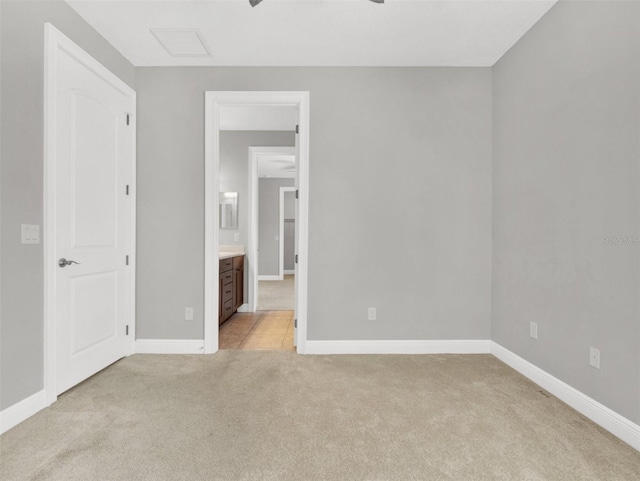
{"points": [[269, 224], [566, 179], [22, 60], [400, 198], [234, 172]]}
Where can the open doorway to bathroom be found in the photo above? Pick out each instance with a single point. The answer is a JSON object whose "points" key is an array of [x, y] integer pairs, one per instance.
{"points": [[267, 323], [257, 250]]}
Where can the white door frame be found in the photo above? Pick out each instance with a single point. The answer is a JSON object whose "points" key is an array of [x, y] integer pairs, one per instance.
{"points": [[55, 41], [255, 154], [213, 101], [281, 232]]}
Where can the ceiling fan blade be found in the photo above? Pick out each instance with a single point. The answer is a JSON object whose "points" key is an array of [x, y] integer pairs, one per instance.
{"points": [[377, 1]]}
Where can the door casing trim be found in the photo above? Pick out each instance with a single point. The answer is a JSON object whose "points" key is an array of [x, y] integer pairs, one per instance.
{"points": [[213, 101]]}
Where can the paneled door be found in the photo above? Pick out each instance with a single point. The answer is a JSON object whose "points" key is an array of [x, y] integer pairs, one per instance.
{"points": [[93, 142]]}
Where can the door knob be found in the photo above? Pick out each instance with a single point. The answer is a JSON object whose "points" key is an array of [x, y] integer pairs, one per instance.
{"points": [[64, 262]]}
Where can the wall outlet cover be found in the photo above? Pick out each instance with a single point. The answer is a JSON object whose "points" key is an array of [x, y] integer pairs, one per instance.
{"points": [[594, 357], [372, 314], [188, 313]]}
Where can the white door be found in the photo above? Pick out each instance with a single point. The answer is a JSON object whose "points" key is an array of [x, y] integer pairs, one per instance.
{"points": [[92, 221]]}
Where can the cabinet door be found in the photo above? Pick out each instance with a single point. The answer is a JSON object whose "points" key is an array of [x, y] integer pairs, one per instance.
{"points": [[220, 301], [238, 284]]}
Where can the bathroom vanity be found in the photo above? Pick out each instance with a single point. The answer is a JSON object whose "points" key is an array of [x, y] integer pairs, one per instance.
{"points": [[231, 290]]}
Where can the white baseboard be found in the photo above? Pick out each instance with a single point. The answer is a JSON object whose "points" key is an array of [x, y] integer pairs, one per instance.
{"points": [[269, 278], [289, 272], [610, 420], [169, 346], [244, 308], [14, 415], [398, 347]]}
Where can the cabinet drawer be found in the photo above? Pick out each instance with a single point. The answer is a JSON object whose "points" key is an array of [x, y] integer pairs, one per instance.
{"points": [[226, 264], [227, 308], [238, 262], [226, 277], [227, 292]]}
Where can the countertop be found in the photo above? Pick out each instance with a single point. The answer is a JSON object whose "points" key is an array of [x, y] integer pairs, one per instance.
{"points": [[227, 255]]}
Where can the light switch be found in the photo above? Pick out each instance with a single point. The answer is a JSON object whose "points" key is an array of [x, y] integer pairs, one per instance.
{"points": [[236, 237], [30, 234]]}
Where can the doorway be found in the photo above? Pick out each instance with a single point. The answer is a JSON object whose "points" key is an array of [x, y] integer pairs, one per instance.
{"points": [[276, 289], [214, 103], [267, 323], [277, 292], [259, 160], [287, 237]]}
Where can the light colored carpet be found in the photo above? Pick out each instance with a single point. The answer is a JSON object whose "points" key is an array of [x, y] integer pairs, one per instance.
{"points": [[273, 415], [276, 295]]}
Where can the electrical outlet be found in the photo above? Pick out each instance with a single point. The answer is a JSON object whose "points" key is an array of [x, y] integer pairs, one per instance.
{"points": [[533, 330], [372, 314], [594, 357], [188, 313], [236, 237]]}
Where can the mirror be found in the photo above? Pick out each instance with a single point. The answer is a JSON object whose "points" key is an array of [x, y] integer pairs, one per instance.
{"points": [[228, 210]]}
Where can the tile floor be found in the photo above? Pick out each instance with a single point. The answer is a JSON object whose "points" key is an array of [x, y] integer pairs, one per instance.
{"points": [[265, 330]]}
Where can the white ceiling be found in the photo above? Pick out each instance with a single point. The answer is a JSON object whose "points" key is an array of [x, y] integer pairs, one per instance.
{"points": [[258, 117], [279, 166], [318, 32]]}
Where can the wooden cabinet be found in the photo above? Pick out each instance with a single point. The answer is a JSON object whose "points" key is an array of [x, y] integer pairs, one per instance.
{"points": [[238, 282], [231, 287]]}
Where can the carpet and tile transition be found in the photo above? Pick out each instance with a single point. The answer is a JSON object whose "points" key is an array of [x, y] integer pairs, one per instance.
{"points": [[263, 330], [274, 415]]}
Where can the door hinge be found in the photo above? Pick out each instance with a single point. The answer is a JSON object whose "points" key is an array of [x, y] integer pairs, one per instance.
{"points": [[126, 260], [297, 193], [127, 330], [295, 323], [127, 189], [297, 129], [127, 119], [296, 258]]}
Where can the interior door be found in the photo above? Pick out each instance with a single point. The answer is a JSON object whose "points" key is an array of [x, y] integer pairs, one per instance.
{"points": [[296, 237], [92, 218]]}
